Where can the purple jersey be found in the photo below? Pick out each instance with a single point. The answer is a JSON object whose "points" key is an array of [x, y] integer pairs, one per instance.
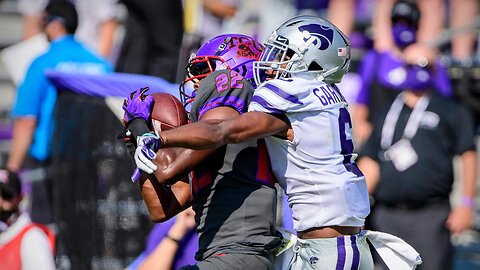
{"points": [[235, 201]]}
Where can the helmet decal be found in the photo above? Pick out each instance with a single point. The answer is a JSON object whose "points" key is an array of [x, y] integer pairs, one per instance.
{"points": [[245, 47], [223, 46], [246, 50], [322, 35]]}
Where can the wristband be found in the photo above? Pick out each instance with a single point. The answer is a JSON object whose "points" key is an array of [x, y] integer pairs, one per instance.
{"points": [[173, 239], [467, 201], [138, 127]]}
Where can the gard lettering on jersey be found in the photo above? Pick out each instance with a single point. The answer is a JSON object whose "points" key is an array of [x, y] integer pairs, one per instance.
{"points": [[328, 95]]}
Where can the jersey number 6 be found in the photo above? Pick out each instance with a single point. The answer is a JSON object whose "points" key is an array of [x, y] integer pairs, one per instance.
{"points": [[346, 143]]}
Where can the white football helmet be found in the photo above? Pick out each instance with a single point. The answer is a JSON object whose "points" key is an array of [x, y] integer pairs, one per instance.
{"points": [[305, 44]]}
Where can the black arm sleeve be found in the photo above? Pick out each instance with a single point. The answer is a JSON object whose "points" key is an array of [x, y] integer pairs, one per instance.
{"points": [[138, 127]]}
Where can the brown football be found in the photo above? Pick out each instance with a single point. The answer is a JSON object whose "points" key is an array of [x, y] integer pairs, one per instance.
{"points": [[167, 112]]}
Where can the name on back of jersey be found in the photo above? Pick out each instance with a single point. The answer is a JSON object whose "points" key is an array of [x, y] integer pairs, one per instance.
{"points": [[328, 95]]}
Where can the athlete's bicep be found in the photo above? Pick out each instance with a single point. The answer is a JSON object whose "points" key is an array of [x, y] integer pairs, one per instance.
{"points": [[175, 163], [220, 113], [254, 125], [224, 125]]}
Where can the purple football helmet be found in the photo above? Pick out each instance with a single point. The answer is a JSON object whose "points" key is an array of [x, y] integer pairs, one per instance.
{"points": [[230, 51]]}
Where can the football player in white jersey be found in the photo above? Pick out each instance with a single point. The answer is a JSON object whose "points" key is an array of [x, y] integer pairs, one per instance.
{"points": [[303, 117]]}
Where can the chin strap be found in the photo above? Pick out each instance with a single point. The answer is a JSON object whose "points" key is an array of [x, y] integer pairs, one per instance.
{"points": [[329, 72]]}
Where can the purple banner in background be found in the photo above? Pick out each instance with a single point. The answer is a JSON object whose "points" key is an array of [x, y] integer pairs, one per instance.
{"points": [[109, 85]]}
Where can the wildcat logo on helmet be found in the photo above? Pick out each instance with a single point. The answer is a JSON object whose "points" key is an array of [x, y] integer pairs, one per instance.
{"points": [[245, 49], [320, 35]]}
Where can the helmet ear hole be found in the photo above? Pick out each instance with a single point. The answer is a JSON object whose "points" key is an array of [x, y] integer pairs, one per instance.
{"points": [[315, 66], [290, 53]]}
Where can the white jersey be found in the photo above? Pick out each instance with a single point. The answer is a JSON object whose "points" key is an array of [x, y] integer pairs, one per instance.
{"points": [[316, 170]]}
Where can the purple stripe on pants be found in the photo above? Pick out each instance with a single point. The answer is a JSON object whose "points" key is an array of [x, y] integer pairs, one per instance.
{"points": [[341, 253], [356, 253]]}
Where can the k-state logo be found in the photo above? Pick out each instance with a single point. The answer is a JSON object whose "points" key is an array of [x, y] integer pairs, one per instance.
{"points": [[322, 35]]}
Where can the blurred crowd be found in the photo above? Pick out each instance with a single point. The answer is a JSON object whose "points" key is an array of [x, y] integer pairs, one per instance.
{"points": [[388, 37]]}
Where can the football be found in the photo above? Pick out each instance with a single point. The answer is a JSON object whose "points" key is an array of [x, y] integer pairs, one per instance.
{"points": [[168, 112]]}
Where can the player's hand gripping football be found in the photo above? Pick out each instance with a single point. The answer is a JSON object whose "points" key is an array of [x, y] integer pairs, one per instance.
{"points": [[137, 105], [147, 146]]}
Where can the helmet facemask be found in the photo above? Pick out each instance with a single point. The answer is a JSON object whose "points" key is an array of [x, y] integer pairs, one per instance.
{"points": [[277, 58], [198, 67]]}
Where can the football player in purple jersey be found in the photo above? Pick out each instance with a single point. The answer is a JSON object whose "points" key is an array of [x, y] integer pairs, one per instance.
{"points": [[231, 187], [304, 119]]}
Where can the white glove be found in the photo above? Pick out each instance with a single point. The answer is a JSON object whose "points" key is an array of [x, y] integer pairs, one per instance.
{"points": [[145, 153]]}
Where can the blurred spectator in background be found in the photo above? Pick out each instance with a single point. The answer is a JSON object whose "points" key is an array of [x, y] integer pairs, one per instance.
{"points": [[428, 26], [35, 100], [382, 69], [171, 244], [273, 12], [408, 164], [153, 38], [340, 12], [463, 63], [32, 14], [97, 24], [459, 15], [463, 14], [23, 244], [214, 14]]}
